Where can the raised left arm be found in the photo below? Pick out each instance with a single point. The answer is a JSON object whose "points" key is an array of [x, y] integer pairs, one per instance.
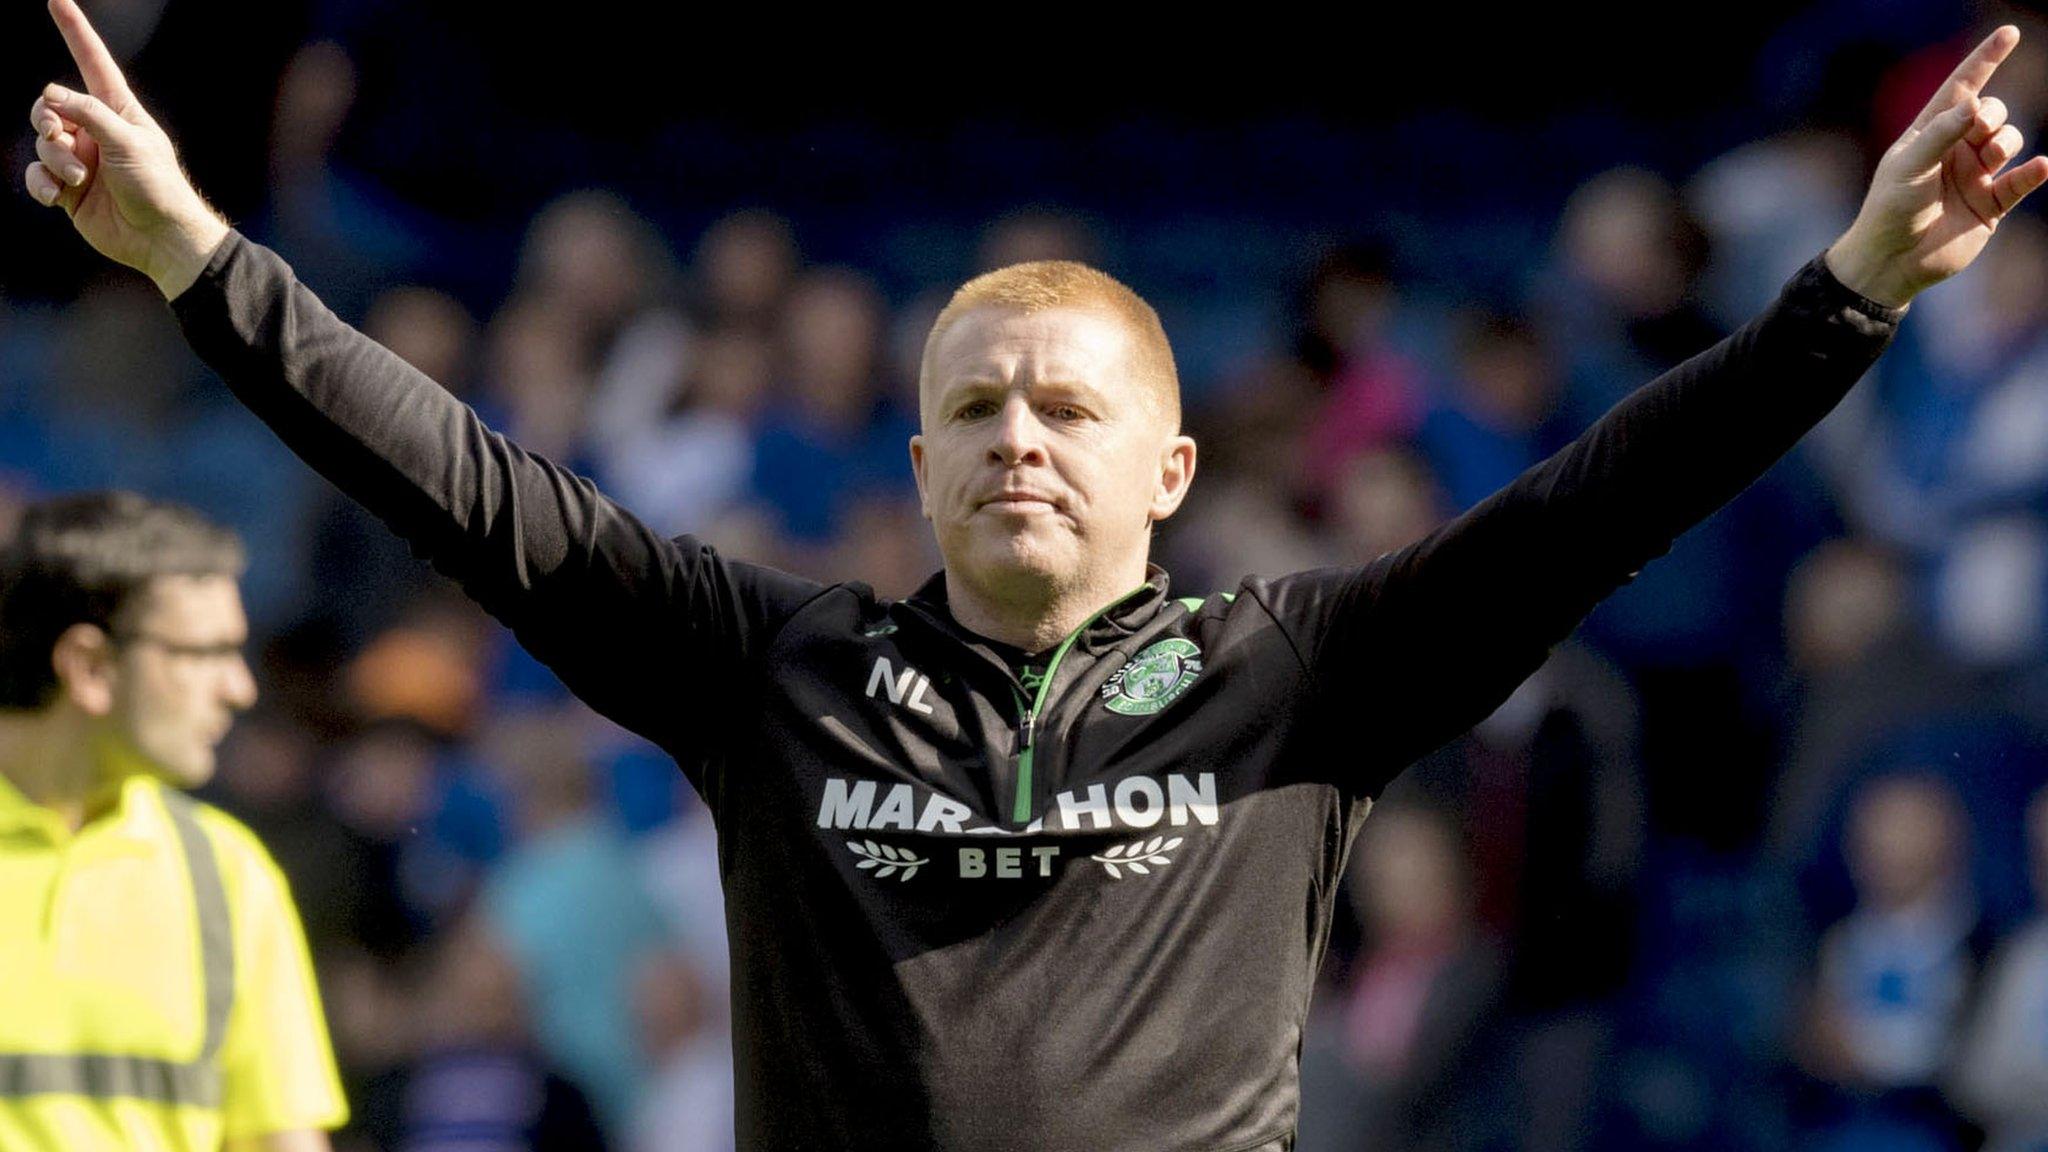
{"points": [[1425, 642]]}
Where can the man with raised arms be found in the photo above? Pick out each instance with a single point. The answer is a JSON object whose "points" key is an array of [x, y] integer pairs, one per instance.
{"points": [[1042, 856]]}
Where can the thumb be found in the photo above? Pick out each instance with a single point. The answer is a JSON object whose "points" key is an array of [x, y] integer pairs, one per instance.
{"points": [[1924, 150], [103, 122]]}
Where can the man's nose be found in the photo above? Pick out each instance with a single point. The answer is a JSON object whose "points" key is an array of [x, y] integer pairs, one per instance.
{"points": [[239, 687], [1019, 436]]}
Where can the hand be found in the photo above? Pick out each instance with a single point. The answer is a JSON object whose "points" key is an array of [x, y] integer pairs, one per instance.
{"points": [[1938, 194], [102, 159]]}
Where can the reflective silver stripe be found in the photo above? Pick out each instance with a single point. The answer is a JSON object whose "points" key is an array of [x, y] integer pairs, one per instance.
{"points": [[216, 933], [104, 1077], [189, 1082]]}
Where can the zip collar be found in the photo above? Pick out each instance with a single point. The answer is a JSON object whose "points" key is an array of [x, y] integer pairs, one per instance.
{"points": [[1108, 625], [1104, 630]]}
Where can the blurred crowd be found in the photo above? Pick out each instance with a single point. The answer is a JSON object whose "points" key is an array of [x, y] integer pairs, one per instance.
{"points": [[1759, 860]]}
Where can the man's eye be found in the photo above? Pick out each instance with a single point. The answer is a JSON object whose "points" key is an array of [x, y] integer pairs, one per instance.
{"points": [[976, 410], [1066, 412]]}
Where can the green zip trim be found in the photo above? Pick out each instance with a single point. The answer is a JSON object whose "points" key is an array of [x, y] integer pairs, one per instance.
{"points": [[1020, 812]]}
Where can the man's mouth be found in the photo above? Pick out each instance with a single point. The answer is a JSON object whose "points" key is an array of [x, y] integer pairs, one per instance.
{"points": [[1020, 502]]}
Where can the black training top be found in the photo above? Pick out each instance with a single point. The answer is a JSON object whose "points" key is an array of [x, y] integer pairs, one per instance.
{"points": [[968, 914]]}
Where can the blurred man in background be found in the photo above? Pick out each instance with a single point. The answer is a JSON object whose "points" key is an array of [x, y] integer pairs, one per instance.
{"points": [[476, 1080], [1426, 979], [1896, 976], [155, 989]]}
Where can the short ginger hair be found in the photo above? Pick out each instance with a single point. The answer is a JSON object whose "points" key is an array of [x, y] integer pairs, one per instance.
{"points": [[1039, 285]]}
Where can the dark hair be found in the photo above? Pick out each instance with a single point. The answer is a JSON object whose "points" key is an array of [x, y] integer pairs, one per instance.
{"points": [[83, 559]]}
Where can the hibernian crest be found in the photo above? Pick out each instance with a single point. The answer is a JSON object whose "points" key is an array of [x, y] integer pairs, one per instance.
{"points": [[1156, 678]]}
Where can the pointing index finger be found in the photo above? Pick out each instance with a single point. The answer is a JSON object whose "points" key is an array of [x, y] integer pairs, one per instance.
{"points": [[1966, 81], [95, 64]]}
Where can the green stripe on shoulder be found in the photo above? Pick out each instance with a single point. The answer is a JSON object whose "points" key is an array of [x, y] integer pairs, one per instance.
{"points": [[1194, 603]]}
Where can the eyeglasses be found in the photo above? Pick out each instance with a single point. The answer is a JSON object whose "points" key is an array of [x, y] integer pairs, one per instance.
{"points": [[184, 650]]}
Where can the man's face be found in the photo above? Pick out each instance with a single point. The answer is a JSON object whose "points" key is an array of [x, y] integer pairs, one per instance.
{"points": [[180, 676], [1043, 463]]}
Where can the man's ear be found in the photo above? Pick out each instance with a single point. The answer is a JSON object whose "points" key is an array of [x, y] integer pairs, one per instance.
{"points": [[83, 659], [1176, 472], [924, 504]]}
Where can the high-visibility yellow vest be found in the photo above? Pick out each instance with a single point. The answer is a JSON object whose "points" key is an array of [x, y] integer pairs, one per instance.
{"points": [[155, 990]]}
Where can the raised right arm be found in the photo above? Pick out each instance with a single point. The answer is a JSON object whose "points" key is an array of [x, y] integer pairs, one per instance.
{"points": [[650, 631]]}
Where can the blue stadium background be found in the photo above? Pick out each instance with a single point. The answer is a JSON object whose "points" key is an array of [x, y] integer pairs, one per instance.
{"points": [[1747, 866]]}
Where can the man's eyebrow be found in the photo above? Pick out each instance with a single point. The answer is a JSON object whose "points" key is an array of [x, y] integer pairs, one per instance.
{"points": [[1078, 389], [973, 386], [982, 387]]}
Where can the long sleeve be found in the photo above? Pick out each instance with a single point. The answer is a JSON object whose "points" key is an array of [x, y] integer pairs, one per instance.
{"points": [[1424, 642], [649, 631]]}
